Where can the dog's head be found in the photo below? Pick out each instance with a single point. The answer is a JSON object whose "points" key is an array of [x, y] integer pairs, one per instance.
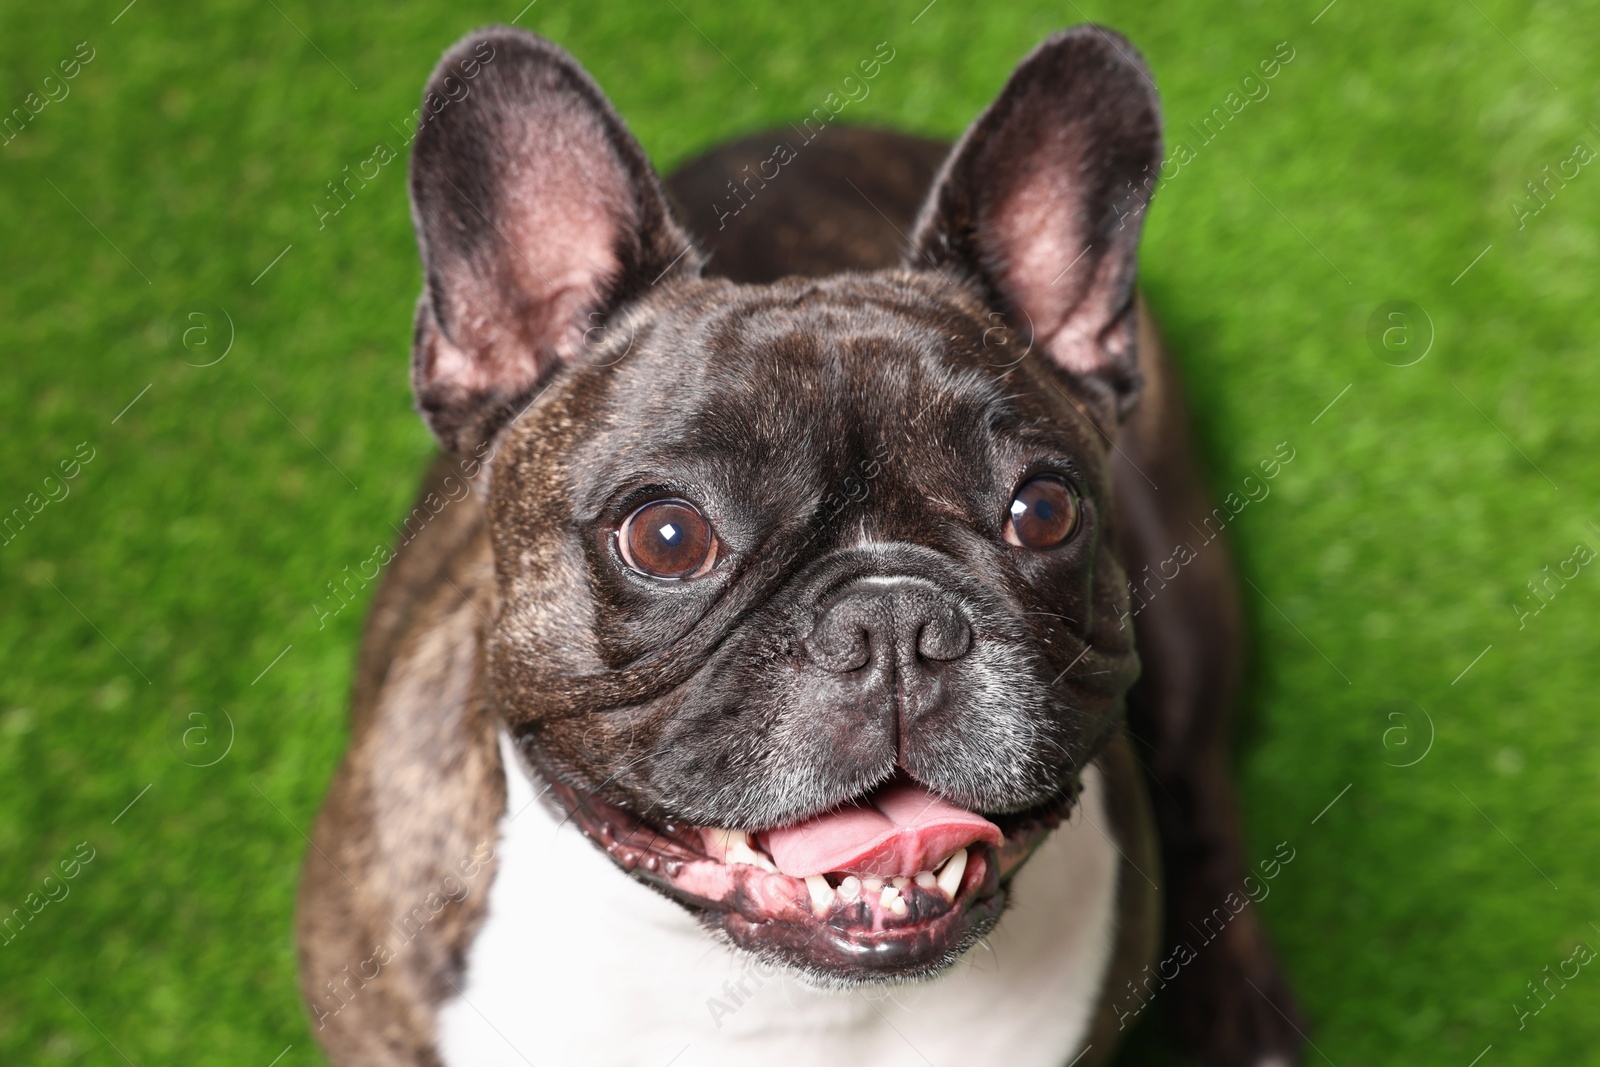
{"points": [[808, 610]]}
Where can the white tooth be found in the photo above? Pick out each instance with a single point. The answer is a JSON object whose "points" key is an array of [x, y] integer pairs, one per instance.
{"points": [[726, 839], [872, 885], [741, 852], [821, 894], [949, 880], [926, 879], [900, 883], [892, 901], [736, 848], [850, 888]]}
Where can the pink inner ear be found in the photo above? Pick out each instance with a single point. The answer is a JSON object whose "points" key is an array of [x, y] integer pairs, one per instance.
{"points": [[567, 203], [563, 204], [1046, 267]]}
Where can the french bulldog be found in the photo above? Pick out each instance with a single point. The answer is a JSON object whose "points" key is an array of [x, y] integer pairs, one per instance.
{"points": [[758, 680]]}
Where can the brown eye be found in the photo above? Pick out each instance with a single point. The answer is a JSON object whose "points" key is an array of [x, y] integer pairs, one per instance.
{"points": [[1043, 514], [668, 539]]}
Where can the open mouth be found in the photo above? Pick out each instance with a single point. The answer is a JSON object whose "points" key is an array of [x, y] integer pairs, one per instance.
{"points": [[896, 884]]}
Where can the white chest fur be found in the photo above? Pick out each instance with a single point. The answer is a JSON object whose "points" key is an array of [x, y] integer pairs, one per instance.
{"points": [[579, 964]]}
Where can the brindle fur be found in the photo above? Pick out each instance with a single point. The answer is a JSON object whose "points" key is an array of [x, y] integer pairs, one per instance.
{"points": [[421, 787]]}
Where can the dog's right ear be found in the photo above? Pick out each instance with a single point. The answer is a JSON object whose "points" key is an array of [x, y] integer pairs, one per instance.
{"points": [[538, 216]]}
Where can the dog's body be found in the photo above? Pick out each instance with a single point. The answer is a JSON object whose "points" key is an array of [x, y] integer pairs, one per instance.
{"points": [[451, 914]]}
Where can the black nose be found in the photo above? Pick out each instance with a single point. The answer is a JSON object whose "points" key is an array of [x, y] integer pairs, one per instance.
{"points": [[892, 624]]}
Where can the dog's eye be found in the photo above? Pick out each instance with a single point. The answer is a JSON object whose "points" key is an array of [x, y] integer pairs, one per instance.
{"points": [[668, 539], [1043, 514]]}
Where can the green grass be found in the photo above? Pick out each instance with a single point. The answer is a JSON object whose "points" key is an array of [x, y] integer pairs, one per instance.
{"points": [[1387, 558]]}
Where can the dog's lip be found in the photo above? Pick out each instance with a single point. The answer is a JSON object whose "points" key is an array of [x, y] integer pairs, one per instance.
{"points": [[772, 913]]}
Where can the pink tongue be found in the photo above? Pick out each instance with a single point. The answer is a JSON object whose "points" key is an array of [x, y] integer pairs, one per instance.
{"points": [[902, 830]]}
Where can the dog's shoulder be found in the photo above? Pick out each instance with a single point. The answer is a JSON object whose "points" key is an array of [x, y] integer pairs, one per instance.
{"points": [[384, 923]]}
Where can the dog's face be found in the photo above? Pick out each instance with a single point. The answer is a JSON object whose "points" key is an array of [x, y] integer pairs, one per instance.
{"points": [[809, 612]]}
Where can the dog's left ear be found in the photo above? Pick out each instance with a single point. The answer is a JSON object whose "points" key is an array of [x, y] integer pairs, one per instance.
{"points": [[1042, 200]]}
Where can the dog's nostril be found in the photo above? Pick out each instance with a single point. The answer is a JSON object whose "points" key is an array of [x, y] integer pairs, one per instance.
{"points": [[944, 637], [900, 623], [839, 648]]}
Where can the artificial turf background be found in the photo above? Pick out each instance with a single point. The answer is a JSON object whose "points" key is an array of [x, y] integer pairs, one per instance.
{"points": [[141, 613]]}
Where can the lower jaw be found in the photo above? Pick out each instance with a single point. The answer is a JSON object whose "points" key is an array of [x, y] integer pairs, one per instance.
{"points": [[781, 927], [835, 952], [834, 956]]}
